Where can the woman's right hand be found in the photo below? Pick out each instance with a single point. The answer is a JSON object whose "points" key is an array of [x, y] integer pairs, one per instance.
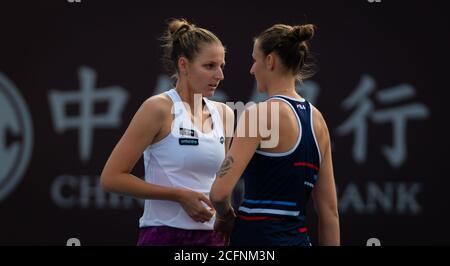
{"points": [[194, 204]]}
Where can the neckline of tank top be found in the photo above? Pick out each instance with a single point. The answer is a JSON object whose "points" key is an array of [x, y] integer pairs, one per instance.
{"points": [[189, 118], [302, 100]]}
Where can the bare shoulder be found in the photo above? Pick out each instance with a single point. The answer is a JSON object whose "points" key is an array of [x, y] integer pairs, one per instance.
{"points": [[284, 109], [320, 128], [318, 119], [159, 105], [159, 101]]}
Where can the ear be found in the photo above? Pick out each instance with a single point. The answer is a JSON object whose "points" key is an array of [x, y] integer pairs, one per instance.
{"points": [[270, 62], [183, 63]]}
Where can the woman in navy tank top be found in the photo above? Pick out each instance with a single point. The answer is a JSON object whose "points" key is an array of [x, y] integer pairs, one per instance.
{"points": [[284, 154]]}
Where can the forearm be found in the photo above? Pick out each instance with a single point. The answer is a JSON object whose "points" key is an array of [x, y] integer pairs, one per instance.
{"points": [[221, 189], [131, 185], [329, 233]]}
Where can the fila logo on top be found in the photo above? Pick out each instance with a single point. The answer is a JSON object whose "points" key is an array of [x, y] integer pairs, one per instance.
{"points": [[301, 106]]}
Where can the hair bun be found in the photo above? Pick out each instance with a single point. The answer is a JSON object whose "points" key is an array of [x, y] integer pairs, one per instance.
{"points": [[178, 26], [303, 32]]}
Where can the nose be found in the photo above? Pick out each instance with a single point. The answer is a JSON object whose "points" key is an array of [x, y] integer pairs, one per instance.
{"points": [[219, 74], [251, 71]]}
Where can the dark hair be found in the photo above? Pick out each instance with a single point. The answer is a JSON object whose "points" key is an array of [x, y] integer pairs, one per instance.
{"points": [[183, 39], [290, 43]]}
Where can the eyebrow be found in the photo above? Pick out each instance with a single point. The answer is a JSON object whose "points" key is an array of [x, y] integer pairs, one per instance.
{"points": [[215, 62]]}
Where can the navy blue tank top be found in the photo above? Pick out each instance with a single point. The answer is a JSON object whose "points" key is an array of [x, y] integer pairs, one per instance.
{"points": [[278, 185]]}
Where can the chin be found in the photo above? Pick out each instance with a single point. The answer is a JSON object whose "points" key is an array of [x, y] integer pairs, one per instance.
{"points": [[208, 93]]}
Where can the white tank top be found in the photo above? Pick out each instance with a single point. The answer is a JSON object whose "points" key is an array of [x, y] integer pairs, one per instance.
{"points": [[185, 158]]}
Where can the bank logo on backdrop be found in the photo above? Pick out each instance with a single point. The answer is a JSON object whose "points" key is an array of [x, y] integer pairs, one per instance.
{"points": [[16, 137], [87, 120]]}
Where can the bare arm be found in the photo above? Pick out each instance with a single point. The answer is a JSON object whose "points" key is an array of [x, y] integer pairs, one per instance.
{"points": [[116, 176], [141, 132], [324, 193], [240, 153], [228, 119]]}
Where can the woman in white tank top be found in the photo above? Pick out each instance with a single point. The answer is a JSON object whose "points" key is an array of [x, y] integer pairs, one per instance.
{"points": [[181, 135]]}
